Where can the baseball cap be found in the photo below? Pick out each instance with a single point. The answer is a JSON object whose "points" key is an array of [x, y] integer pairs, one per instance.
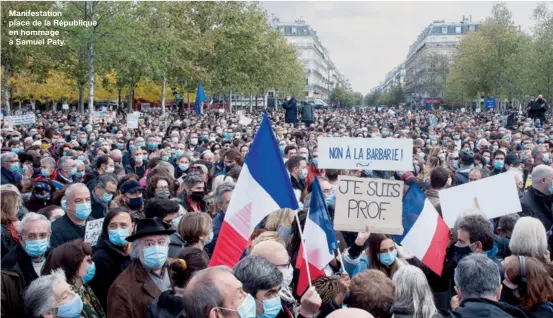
{"points": [[131, 186]]}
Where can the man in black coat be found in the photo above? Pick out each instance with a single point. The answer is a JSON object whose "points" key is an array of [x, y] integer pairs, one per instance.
{"points": [[536, 202], [101, 196], [291, 116], [478, 286], [72, 225], [8, 176], [22, 265]]}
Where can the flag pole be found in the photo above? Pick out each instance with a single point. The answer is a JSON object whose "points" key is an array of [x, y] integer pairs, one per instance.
{"points": [[340, 257], [304, 247]]}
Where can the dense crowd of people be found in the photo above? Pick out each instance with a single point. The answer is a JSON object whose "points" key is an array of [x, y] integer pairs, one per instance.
{"points": [[163, 189]]}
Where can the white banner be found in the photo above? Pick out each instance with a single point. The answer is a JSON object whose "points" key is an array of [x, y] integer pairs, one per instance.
{"points": [[365, 153], [495, 196], [132, 121], [93, 231], [26, 119]]}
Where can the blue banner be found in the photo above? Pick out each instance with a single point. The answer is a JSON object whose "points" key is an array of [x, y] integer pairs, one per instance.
{"points": [[489, 102]]}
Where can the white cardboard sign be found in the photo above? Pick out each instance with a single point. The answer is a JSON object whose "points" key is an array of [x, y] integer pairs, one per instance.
{"points": [[93, 231], [25, 119], [365, 153], [132, 121], [366, 201], [495, 196]]}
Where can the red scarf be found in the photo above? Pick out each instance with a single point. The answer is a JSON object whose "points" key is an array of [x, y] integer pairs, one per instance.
{"points": [[13, 232]]}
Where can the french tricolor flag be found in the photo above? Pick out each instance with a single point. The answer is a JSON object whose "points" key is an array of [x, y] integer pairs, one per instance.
{"points": [[425, 233], [319, 240], [263, 187]]}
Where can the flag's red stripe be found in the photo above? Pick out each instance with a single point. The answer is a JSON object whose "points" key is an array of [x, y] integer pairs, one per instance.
{"points": [[303, 280], [435, 255], [230, 246]]}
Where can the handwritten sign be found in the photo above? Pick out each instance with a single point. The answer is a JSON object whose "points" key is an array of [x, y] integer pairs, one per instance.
{"points": [[365, 153], [132, 121], [495, 196], [25, 119], [365, 201], [244, 120], [93, 231]]}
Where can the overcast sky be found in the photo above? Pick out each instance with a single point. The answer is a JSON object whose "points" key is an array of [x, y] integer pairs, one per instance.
{"points": [[366, 40]]}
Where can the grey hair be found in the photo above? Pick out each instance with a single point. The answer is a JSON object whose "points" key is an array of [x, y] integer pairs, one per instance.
{"points": [[63, 162], [192, 179], [474, 211], [79, 163], [413, 291], [72, 188], [136, 251], [7, 156], [483, 172], [202, 293], [106, 178], [39, 297], [221, 190], [167, 166], [48, 161], [257, 273], [536, 151], [528, 238], [541, 171], [30, 217], [477, 276]]}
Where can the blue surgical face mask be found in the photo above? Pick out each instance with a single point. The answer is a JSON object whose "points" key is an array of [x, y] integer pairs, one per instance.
{"points": [[79, 174], [37, 248], [81, 158], [155, 256], [303, 174], [209, 239], [106, 197], [183, 166], [271, 307], [315, 161], [281, 149], [247, 308], [15, 167], [82, 210], [131, 147], [331, 199], [45, 172], [152, 145], [179, 153], [73, 171], [71, 309], [90, 271], [387, 258], [498, 164], [43, 197], [176, 221], [15, 150], [119, 236], [165, 158]]}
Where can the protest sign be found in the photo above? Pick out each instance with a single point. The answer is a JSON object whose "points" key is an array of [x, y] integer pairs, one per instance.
{"points": [[495, 196], [25, 119], [246, 121], [93, 231], [365, 153], [366, 201], [65, 106], [132, 121]]}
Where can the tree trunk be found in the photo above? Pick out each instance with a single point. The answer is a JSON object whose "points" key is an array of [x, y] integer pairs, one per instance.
{"points": [[33, 105], [188, 102], [251, 103], [81, 98], [119, 89], [6, 91], [163, 94], [230, 101], [265, 101], [19, 105], [91, 78], [131, 97], [54, 106]]}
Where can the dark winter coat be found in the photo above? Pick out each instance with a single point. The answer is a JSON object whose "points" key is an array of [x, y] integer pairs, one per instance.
{"points": [[217, 224], [307, 113], [17, 274], [9, 177], [176, 243], [8, 243], [99, 209], [537, 205], [110, 261], [485, 308], [64, 230], [545, 310], [166, 306], [291, 116]]}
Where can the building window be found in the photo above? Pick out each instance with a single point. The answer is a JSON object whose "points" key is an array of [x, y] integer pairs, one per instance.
{"points": [[294, 30], [472, 27], [458, 29], [444, 30], [271, 94]]}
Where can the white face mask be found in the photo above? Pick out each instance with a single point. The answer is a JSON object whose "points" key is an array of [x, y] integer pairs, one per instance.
{"points": [[287, 276]]}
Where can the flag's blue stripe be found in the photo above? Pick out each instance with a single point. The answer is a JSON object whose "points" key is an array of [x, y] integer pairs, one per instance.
{"points": [[318, 213], [413, 203], [267, 167]]}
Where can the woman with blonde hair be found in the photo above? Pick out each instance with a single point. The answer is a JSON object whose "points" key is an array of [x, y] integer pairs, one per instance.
{"points": [[9, 231], [281, 222]]}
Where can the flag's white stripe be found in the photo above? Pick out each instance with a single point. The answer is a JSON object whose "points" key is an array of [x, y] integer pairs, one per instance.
{"points": [[248, 190], [316, 245], [422, 232]]}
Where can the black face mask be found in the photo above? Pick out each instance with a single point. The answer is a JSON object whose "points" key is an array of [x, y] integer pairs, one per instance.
{"points": [[461, 252], [508, 296], [227, 168], [197, 196]]}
